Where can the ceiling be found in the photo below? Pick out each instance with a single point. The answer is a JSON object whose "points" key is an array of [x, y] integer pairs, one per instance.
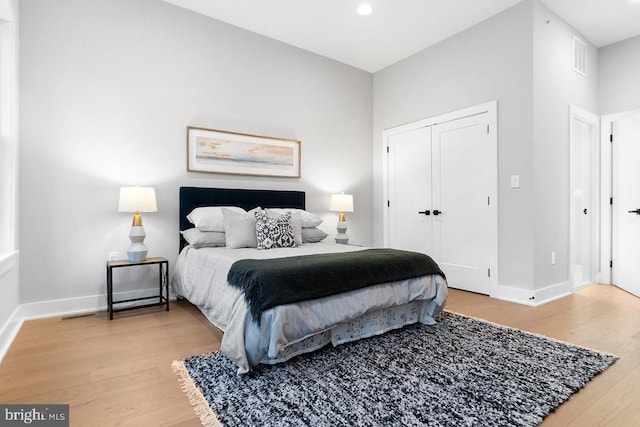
{"points": [[399, 28]]}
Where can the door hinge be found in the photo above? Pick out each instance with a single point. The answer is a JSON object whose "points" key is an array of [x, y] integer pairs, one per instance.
{"points": [[387, 149], [488, 272], [388, 204], [611, 264], [611, 138], [487, 128], [489, 201], [611, 200]]}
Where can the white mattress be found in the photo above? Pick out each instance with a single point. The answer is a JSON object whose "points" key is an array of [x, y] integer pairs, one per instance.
{"points": [[201, 277]]}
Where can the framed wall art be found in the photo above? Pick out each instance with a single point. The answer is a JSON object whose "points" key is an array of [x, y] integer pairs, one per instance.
{"points": [[217, 151]]}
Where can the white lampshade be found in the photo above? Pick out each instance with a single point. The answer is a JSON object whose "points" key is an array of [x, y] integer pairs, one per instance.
{"points": [[137, 199], [341, 203]]}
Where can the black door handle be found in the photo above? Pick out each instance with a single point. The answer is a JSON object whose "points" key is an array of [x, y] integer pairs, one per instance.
{"points": [[425, 212], [436, 212], [584, 211], [637, 212]]}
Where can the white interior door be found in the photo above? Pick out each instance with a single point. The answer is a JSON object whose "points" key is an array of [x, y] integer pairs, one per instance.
{"points": [[409, 180], [461, 182], [626, 204]]}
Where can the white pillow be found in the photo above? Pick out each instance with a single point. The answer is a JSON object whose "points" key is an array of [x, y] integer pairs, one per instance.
{"points": [[296, 222], [308, 219], [209, 218], [204, 239], [240, 228], [313, 235]]}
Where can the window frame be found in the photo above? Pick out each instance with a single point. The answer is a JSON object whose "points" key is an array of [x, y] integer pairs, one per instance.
{"points": [[8, 136]]}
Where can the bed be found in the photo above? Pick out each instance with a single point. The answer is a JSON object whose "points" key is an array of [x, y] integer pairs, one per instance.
{"points": [[283, 331]]}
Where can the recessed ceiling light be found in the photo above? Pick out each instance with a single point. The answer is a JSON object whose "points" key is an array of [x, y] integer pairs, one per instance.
{"points": [[365, 9]]}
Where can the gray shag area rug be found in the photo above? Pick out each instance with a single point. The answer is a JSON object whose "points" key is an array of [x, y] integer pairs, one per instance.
{"points": [[459, 372]]}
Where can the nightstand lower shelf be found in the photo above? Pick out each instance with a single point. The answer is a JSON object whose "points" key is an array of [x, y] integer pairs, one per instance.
{"points": [[163, 286]]}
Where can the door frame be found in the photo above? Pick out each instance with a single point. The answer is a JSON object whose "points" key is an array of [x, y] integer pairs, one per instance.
{"points": [[606, 192], [491, 108], [592, 119]]}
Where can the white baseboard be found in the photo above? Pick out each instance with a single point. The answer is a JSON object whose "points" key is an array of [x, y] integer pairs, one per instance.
{"points": [[514, 294], [533, 298], [62, 307], [88, 304], [10, 330], [553, 292]]}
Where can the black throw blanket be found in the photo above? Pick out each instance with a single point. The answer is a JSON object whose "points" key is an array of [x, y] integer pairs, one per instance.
{"points": [[267, 283]]}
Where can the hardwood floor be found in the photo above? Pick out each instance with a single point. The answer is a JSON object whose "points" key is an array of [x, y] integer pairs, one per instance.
{"points": [[119, 372], [110, 372]]}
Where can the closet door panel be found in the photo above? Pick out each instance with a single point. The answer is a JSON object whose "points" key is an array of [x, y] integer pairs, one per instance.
{"points": [[460, 196], [409, 174]]}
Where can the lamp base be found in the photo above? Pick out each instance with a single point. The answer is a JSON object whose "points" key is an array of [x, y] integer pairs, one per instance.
{"points": [[342, 237], [137, 251], [137, 255]]}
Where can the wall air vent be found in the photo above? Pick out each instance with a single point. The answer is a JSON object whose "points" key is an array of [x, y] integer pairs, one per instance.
{"points": [[579, 56]]}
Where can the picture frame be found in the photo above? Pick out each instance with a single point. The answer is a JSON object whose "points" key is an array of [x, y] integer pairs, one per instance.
{"points": [[235, 153]]}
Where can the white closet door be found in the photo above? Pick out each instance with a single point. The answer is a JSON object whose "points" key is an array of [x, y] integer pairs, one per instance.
{"points": [[626, 204], [461, 181], [409, 179]]}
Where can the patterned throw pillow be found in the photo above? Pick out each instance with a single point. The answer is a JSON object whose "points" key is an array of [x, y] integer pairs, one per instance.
{"points": [[274, 232]]}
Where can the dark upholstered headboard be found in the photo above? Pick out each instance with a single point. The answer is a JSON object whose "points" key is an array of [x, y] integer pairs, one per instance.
{"points": [[194, 197]]}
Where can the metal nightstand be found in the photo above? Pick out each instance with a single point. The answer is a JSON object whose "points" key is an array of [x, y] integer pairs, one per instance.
{"points": [[163, 285]]}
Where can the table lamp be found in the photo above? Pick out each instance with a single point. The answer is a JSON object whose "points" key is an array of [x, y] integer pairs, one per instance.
{"points": [[137, 199], [341, 203]]}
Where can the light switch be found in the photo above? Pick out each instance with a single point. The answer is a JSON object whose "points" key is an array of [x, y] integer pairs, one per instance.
{"points": [[515, 181]]}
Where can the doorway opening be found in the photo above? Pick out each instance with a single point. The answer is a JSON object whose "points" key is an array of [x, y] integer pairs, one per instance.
{"points": [[584, 212]]}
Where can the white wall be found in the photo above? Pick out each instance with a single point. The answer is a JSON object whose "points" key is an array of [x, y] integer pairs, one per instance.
{"points": [[555, 86], [619, 85], [492, 60], [107, 89]]}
